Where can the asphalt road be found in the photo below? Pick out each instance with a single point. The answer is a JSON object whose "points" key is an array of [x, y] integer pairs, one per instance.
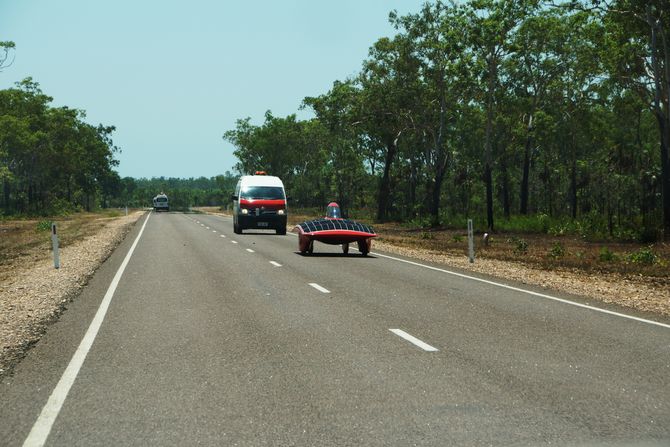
{"points": [[212, 338]]}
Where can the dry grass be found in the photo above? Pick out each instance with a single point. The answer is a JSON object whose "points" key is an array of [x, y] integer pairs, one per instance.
{"points": [[29, 240], [32, 292], [540, 251]]}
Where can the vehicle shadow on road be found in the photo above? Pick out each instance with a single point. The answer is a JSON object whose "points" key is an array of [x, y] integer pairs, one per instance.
{"points": [[334, 255]]}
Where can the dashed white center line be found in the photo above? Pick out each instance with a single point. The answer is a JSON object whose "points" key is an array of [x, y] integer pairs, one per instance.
{"points": [[276, 264], [223, 235], [213, 231], [250, 250], [414, 340], [234, 242], [319, 288], [207, 228]]}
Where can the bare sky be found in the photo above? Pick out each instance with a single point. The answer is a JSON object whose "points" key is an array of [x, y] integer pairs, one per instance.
{"points": [[174, 76]]}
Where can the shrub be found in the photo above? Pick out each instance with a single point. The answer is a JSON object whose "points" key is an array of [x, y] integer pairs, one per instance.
{"points": [[520, 245], [427, 235], [44, 225], [557, 251], [607, 255], [457, 238], [643, 256]]}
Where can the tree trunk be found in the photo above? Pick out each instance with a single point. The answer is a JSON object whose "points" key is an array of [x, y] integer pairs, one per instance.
{"points": [[663, 117], [665, 172], [384, 186], [435, 199], [523, 208], [573, 188], [441, 161], [7, 190], [488, 178], [505, 188]]}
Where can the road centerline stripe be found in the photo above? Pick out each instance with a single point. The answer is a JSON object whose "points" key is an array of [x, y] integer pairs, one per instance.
{"points": [[275, 263], [319, 288], [250, 250], [42, 427], [415, 341], [234, 242]]}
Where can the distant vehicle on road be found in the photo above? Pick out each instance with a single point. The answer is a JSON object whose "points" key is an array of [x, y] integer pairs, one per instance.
{"points": [[259, 202], [334, 230], [161, 203]]}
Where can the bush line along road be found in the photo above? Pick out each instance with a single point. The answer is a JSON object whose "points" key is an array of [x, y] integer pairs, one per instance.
{"points": [[189, 334]]}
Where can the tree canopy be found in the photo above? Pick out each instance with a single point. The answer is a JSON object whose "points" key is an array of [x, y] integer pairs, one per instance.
{"points": [[491, 109]]}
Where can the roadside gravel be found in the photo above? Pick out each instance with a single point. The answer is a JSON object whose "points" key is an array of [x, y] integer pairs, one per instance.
{"points": [[35, 293]]}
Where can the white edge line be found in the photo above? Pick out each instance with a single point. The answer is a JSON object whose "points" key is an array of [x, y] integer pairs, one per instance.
{"points": [[517, 289], [319, 288], [42, 427], [275, 263], [414, 340]]}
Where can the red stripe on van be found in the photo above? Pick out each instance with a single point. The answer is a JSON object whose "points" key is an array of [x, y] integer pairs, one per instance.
{"points": [[274, 204]]}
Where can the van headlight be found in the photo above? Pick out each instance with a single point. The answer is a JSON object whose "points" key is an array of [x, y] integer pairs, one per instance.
{"points": [[244, 211], [280, 212]]}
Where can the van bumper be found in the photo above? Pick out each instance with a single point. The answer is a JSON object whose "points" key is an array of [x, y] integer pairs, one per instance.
{"points": [[262, 222]]}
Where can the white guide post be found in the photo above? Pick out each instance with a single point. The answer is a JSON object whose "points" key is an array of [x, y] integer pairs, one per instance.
{"points": [[471, 242], [54, 243]]}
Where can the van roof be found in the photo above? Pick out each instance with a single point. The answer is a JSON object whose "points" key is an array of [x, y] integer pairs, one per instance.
{"points": [[261, 180]]}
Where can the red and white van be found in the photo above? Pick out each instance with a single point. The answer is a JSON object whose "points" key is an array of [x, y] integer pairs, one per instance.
{"points": [[259, 202]]}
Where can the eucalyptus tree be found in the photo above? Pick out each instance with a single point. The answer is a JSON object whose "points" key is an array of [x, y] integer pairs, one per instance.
{"points": [[440, 46], [6, 48], [50, 159], [338, 110], [390, 83], [533, 69], [492, 27], [639, 58], [271, 147]]}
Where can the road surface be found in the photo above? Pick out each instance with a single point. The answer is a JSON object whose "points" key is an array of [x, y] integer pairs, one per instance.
{"points": [[192, 335]]}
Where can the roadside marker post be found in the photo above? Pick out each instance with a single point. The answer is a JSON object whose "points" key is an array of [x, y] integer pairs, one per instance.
{"points": [[54, 244], [471, 242], [126, 210]]}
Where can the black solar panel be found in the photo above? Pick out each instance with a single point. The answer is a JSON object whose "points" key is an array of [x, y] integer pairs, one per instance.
{"points": [[334, 224]]}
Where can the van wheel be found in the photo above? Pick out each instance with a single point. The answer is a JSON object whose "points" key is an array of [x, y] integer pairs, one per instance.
{"points": [[237, 229], [281, 231]]}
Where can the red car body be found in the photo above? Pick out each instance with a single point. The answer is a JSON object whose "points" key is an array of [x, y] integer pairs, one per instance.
{"points": [[334, 230]]}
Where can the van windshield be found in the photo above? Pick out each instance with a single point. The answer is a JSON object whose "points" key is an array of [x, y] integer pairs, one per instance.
{"points": [[161, 199], [262, 192]]}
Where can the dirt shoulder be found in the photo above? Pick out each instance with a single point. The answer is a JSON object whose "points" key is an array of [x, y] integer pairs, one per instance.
{"points": [[33, 293]]}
